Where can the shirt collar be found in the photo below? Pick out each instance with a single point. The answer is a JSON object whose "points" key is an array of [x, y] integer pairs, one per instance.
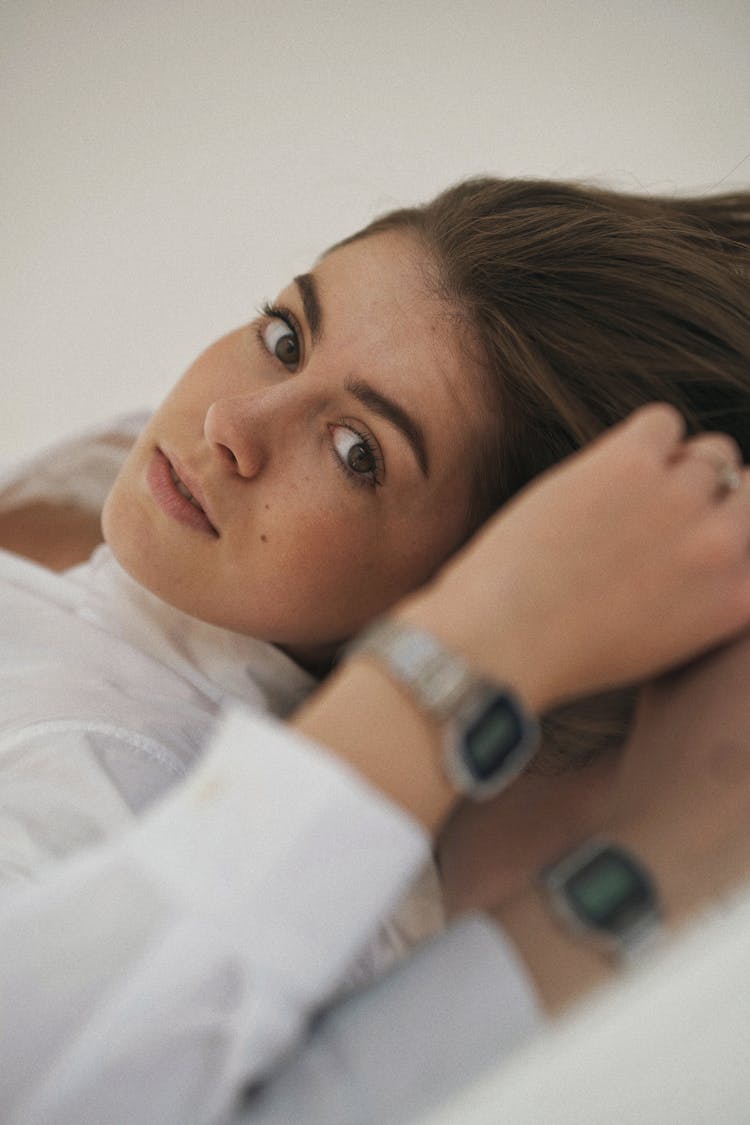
{"points": [[218, 661]]}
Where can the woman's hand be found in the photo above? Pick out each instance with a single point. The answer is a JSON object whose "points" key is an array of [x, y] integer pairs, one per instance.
{"points": [[628, 558]]}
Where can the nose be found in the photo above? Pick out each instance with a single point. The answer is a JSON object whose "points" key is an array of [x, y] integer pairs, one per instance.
{"points": [[235, 431]]}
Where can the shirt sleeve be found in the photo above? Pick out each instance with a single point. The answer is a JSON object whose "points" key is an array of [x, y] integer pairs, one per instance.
{"points": [[78, 470], [155, 976], [401, 1047]]}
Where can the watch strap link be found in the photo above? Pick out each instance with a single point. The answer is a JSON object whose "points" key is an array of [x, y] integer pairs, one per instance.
{"points": [[440, 681]]}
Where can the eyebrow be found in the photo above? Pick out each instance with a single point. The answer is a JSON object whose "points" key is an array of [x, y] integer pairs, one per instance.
{"points": [[375, 400], [386, 407], [305, 282]]}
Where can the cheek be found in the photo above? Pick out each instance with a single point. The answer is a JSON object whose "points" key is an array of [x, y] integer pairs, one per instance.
{"points": [[356, 566], [328, 548], [121, 521], [322, 564]]}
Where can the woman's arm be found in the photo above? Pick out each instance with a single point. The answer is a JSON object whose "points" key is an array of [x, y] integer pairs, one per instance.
{"points": [[453, 997], [681, 804], [56, 535], [490, 851], [153, 976]]}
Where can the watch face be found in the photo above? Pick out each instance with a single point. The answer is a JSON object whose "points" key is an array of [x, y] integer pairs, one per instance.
{"points": [[609, 892], [492, 737]]}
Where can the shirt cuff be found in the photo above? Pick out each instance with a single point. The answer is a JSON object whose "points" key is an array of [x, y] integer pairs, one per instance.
{"points": [[285, 848], [400, 1048]]}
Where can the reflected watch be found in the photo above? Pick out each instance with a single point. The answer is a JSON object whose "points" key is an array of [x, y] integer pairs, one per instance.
{"points": [[602, 891]]}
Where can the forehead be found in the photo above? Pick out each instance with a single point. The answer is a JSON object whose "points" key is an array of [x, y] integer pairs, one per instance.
{"points": [[386, 280], [382, 310]]}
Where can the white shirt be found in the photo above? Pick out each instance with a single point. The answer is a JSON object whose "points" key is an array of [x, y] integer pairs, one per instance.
{"points": [[162, 959], [107, 697]]}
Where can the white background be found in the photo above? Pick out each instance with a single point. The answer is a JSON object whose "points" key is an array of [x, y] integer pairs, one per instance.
{"points": [[166, 165]]}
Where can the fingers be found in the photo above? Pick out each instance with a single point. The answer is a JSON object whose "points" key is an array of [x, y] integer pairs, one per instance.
{"points": [[658, 424], [713, 460]]}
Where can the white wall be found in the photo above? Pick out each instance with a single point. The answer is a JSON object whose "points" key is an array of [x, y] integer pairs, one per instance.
{"points": [[167, 163]]}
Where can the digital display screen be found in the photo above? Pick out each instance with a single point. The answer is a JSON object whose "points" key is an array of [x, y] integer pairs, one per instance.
{"points": [[608, 890], [491, 738]]}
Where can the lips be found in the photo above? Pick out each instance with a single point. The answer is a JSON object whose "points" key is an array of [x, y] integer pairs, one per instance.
{"points": [[178, 494], [183, 488]]}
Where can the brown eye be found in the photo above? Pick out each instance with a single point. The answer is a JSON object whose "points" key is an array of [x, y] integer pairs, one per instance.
{"points": [[357, 453], [287, 350], [281, 341], [360, 459]]}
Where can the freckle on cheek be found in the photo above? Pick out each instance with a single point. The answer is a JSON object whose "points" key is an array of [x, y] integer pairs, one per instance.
{"points": [[264, 538]]}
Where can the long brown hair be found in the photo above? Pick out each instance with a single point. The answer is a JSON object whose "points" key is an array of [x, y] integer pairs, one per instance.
{"points": [[586, 303]]}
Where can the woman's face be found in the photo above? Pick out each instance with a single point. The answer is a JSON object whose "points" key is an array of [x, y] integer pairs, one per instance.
{"points": [[327, 447]]}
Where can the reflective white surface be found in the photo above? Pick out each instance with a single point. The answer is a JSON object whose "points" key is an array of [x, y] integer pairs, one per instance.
{"points": [[667, 1046]]}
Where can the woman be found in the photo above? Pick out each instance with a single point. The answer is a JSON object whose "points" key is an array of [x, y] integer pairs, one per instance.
{"points": [[357, 411]]}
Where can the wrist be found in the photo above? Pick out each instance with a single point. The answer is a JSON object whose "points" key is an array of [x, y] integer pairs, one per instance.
{"points": [[360, 715], [685, 879], [486, 734], [561, 966], [689, 878], [504, 651], [592, 912]]}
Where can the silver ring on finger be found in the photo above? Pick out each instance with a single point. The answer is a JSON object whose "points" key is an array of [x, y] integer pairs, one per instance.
{"points": [[729, 478], [728, 474]]}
